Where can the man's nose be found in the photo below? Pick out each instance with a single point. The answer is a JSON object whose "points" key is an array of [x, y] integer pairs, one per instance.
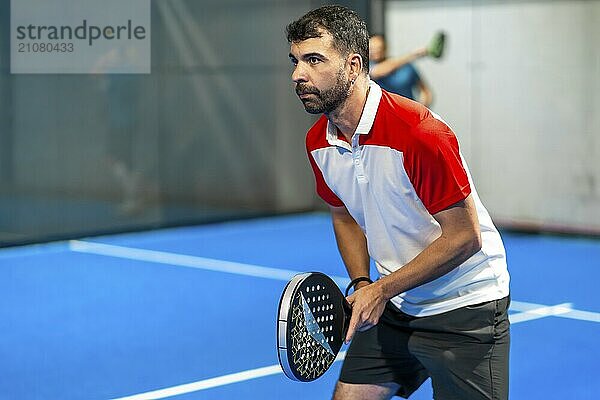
{"points": [[299, 74]]}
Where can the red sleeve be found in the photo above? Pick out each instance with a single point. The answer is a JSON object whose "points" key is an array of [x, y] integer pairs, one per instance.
{"points": [[322, 189], [434, 166]]}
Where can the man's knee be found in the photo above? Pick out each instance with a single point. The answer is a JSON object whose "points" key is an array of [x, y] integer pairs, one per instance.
{"points": [[352, 391]]}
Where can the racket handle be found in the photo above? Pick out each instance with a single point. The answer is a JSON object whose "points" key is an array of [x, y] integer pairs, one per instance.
{"points": [[347, 317]]}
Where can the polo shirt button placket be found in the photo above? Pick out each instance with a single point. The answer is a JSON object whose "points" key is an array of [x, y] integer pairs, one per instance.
{"points": [[359, 170]]}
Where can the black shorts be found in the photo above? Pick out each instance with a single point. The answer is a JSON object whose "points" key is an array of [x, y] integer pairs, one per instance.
{"points": [[464, 351]]}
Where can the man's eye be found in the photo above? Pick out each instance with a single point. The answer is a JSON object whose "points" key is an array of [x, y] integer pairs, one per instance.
{"points": [[313, 60], [294, 61]]}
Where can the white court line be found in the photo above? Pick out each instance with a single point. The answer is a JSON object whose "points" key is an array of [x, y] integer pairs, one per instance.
{"points": [[162, 257], [206, 384], [570, 313], [582, 315], [541, 312], [213, 382]]}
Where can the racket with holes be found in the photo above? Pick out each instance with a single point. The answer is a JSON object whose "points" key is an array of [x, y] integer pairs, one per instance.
{"points": [[312, 323]]}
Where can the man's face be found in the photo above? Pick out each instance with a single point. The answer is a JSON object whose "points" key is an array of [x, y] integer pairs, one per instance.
{"points": [[320, 74], [376, 48]]}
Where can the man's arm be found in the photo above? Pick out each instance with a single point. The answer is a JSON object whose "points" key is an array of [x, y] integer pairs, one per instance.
{"points": [[389, 65], [460, 239], [351, 243], [425, 93]]}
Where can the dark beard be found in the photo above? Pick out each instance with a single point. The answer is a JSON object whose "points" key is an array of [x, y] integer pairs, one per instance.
{"points": [[328, 100]]}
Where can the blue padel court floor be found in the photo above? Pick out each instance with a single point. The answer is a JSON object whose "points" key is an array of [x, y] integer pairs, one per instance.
{"points": [[189, 313]]}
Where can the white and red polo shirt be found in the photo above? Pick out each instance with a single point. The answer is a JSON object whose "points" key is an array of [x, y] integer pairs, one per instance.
{"points": [[402, 167]]}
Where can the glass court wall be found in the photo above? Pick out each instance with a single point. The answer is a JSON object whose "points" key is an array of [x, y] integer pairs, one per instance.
{"points": [[213, 132]]}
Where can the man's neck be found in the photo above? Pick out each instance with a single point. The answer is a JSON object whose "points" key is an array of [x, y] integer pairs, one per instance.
{"points": [[347, 116]]}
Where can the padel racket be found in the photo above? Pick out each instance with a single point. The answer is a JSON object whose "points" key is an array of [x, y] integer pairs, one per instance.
{"points": [[312, 323], [437, 44], [313, 320]]}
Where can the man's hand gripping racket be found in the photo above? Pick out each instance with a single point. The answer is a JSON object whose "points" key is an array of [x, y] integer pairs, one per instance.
{"points": [[313, 321]]}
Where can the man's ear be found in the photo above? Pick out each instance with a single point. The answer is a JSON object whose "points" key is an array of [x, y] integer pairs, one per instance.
{"points": [[356, 65]]}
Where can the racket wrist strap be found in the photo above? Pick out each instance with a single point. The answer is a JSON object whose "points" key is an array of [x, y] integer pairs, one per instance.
{"points": [[355, 281]]}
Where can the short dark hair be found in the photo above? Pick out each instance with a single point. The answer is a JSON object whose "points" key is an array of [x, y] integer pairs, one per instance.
{"points": [[348, 30]]}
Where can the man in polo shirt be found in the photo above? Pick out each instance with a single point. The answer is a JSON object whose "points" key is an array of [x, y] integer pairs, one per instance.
{"points": [[401, 194]]}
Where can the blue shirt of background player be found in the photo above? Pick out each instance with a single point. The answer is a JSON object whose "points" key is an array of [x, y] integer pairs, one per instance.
{"points": [[401, 81]]}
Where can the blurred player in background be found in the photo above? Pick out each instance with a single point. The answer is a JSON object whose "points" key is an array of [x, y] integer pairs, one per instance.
{"points": [[398, 74]]}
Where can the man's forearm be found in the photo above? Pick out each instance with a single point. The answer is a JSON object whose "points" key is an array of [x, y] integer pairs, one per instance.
{"points": [[440, 257], [389, 65]]}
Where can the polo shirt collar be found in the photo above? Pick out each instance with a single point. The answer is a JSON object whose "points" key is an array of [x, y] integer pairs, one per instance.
{"points": [[366, 119]]}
